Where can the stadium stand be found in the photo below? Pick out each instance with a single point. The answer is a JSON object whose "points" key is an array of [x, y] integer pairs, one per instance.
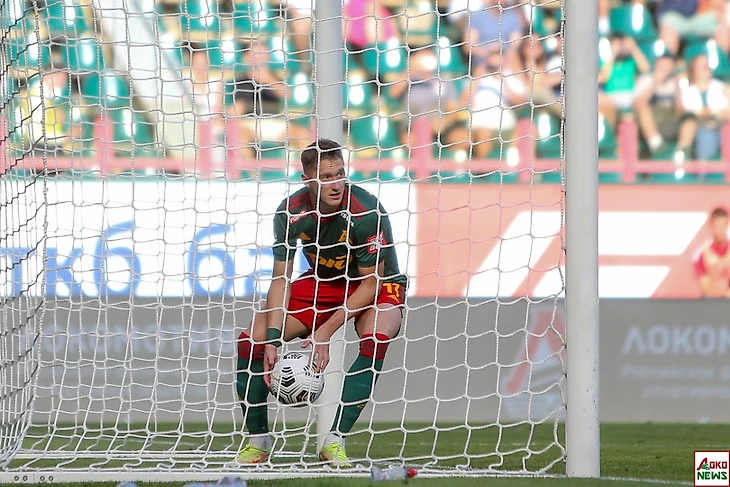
{"points": [[249, 74]]}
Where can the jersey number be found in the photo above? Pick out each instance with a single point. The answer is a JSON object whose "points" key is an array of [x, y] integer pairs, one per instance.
{"points": [[392, 289]]}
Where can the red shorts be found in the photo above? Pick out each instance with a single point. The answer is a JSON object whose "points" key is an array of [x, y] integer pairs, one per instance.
{"points": [[330, 296]]}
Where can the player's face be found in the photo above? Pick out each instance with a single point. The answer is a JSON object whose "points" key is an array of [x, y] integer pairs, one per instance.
{"points": [[719, 226], [328, 184]]}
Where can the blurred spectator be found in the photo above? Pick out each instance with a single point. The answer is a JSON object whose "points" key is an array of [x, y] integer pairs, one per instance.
{"points": [[299, 14], [543, 74], [208, 99], [685, 19], [705, 102], [712, 267], [257, 90], [494, 90], [368, 23], [618, 77], [604, 11], [428, 97], [258, 99], [458, 12], [656, 104], [207, 91], [51, 108], [495, 28]]}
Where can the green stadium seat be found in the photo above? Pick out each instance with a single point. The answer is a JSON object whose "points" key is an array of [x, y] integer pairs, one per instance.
{"points": [[131, 131], [300, 102], [83, 55], [62, 18], [199, 20], [633, 20], [252, 18], [451, 60], [282, 62], [22, 54], [545, 21], [224, 54], [170, 46], [377, 136], [548, 143], [718, 59], [359, 95], [385, 59], [652, 50], [16, 18], [421, 24], [607, 143], [610, 178], [106, 89]]}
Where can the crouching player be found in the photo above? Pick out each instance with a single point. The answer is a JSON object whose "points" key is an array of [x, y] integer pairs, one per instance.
{"points": [[347, 240]]}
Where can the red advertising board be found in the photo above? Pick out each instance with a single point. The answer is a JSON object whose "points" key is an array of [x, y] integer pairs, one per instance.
{"points": [[506, 241]]}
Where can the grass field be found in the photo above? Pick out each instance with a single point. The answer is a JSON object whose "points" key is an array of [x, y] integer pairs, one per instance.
{"points": [[631, 455]]}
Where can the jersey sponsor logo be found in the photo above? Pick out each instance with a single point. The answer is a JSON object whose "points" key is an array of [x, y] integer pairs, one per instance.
{"points": [[338, 262], [297, 217], [375, 243], [344, 237]]}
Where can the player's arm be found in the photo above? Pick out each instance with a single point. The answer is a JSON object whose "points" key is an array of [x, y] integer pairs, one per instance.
{"points": [[277, 300], [278, 297]]}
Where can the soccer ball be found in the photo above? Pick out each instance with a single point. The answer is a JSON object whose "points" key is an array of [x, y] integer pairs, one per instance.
{"points": [[294, 381]]}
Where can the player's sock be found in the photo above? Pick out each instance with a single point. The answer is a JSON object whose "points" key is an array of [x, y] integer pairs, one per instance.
{"points": [[360, 380], [250, 376]]}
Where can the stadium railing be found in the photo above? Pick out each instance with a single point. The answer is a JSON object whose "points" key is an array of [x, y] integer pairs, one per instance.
{"points": [[627, 166]]}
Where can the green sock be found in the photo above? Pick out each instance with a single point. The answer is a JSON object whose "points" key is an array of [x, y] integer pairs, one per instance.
{"points": [[256, 417], [356, 392]]}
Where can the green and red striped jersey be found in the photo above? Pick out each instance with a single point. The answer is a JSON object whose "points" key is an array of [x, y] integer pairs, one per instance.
{"points": [[337, 244]]}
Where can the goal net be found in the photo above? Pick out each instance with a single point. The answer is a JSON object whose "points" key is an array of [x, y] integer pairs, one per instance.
{"points": [[145, 148]]}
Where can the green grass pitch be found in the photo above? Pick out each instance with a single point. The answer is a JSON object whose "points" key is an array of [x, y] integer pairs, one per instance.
{"points": [[631, 455]]}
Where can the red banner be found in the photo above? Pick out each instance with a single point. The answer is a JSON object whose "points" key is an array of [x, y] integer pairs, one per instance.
{"points": [[485, 241]]}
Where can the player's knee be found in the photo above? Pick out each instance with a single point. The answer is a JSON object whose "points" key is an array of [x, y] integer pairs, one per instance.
{"points": [[249, 350], [374, 346]]}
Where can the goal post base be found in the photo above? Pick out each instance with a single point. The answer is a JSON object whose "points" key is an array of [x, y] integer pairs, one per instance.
{"points": [[70, 476]]}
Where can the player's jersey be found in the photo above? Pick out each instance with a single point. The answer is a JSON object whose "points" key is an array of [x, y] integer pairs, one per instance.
{"points": [[718, 248], [335, 245]]}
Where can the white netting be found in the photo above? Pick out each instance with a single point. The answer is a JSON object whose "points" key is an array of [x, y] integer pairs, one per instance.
{"points": [[157, 139], [22, 243]]}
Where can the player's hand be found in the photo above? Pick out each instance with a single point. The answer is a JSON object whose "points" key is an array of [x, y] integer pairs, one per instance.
{"points": [[321, 352], [270, 356]]}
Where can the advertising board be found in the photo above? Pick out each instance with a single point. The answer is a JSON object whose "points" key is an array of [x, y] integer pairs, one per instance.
{"points": [[170, 239], [660, 360]]}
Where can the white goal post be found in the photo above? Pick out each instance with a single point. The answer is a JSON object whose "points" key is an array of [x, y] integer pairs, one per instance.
{"points": [[144, 148]]}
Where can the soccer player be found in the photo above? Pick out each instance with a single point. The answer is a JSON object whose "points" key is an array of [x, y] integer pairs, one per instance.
{"points": [[348, 242], [713, 265]]}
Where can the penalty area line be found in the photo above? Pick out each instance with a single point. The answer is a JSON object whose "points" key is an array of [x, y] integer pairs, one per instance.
{"points": [[647, 481]]}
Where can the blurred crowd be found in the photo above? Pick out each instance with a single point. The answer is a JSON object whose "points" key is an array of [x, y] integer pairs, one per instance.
{"points": [[468, 71]]}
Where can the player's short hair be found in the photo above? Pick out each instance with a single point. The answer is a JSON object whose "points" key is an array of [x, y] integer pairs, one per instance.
{"points": [[311, 155], [718, 212]]}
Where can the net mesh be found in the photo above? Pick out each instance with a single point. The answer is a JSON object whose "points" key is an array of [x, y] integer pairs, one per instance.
{"points": [[158, 138], [22, 233]]}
